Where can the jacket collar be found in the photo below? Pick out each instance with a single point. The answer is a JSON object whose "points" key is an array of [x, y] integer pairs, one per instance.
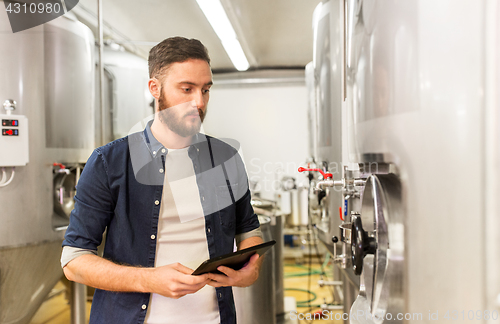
{"points": [[155, 147]]}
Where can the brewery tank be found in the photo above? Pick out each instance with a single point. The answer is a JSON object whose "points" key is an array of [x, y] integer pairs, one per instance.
{"points": [[325, 116], [326, 99], [277, 223], [312, 119], [127, 99], [48, 71], [423, 99], [257, 304]]}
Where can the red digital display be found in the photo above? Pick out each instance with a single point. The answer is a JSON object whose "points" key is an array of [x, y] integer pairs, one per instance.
{"points": [[10, 132], [10, 122]]}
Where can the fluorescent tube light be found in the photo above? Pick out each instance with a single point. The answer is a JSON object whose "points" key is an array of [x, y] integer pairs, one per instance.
{"points": [[217, 17]]}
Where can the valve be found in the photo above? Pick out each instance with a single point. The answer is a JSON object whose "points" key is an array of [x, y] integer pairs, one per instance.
{"points": [[60, 165], [338, 258], [335, 257], [344, 259], [325, 175], [362, 244], [326, 182], [9, 105], [62, 168], [353, 235]]}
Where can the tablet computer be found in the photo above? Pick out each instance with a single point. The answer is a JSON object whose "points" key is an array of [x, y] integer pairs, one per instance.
{"points": [[235, 260]]}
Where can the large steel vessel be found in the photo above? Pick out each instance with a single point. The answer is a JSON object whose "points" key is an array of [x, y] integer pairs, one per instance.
{"points": [[127, 100], [49, 72], [420, 141]]}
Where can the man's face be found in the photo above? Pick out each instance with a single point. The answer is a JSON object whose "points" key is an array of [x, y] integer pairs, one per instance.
{"points": [[184, 95]]}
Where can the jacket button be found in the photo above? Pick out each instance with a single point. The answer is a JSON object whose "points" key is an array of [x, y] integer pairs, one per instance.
{"points": [[153, 237], [208, 229], [144, 306], [157, 202], [163, 150], [161, 170]]}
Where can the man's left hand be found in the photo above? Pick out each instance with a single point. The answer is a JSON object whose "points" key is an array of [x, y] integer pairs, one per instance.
{"points": [[244, 277]]}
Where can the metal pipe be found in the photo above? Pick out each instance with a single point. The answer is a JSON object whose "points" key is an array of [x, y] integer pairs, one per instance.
{"points": [[90, 19], [320, 185], [260, 81], [322, 283], [78, 303], [332, 307], [100, 28], [78, 290]]}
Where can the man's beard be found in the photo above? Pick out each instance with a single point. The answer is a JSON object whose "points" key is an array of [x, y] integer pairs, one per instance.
{"points": [[174, 117]]}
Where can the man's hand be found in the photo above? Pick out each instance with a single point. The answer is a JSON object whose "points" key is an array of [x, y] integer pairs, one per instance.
{"points": [[237, 278], [175, 280]]}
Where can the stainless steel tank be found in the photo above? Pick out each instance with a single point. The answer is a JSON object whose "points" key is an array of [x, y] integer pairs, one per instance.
{"points": [[327, 128], [127, 99], [312, 118], [48, 71], [423, 98], [300, 205], [327, 63], [268, 208], [277, 223], [257, 304]]}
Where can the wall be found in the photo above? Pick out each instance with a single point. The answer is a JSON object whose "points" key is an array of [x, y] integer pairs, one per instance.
{"points": [[270, 123]]}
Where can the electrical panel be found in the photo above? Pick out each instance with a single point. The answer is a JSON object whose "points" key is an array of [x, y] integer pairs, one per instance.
{"points": [[14, 150]]}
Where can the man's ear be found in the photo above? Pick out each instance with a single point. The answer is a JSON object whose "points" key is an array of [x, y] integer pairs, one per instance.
{"points": [[154, 86]]}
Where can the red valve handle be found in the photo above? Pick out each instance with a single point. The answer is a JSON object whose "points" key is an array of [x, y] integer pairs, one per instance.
{"points": [[325, 175], [60, 165]]}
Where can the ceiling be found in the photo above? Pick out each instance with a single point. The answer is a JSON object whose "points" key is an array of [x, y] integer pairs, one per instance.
{"points": [[273, 33]]}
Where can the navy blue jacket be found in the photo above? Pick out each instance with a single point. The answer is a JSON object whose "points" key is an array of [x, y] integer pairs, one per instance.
{"points": [[121, 188]]}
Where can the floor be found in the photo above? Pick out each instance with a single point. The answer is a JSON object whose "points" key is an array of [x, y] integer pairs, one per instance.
{"points": [[296, 278], [57, 310]]}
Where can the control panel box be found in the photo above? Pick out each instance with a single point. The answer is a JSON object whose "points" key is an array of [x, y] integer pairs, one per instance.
{"points": [[14, 149]]}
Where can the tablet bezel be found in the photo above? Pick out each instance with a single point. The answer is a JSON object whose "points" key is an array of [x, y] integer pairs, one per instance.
{"points": [[235, 260]]}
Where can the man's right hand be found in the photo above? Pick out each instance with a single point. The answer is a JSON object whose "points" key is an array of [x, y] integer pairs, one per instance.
{"points": [[175, 280]]}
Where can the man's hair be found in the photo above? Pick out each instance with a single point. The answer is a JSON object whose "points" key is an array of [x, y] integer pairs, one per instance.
{"points": [[175, 50]]}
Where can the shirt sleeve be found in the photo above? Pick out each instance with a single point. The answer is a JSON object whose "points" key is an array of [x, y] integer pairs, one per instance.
{"points": [[247, 220], [70, 253], [94, 206], [243, 236]]}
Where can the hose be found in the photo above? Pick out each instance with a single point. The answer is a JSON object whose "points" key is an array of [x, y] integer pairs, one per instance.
{"points": [[303, 303], [303, 274], [10, 179], [306, 273], [3, 176]]}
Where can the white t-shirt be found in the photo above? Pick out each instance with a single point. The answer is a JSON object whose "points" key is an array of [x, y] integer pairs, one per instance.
{"points": [[185, 243]]}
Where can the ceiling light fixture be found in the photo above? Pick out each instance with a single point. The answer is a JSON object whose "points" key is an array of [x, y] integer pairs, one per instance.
{"points": [[217, 17]]}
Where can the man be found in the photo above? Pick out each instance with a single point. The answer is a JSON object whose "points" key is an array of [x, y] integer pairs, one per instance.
{"points": [[170, 198]]}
